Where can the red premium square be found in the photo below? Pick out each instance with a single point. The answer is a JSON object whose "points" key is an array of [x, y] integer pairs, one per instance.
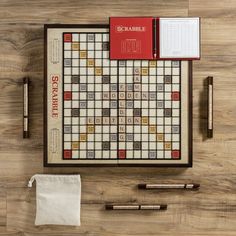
{"points": [[175, 154], [67, 37], [121, 154], [175, 96], [131, 37], [67, 154], [67, 95]]}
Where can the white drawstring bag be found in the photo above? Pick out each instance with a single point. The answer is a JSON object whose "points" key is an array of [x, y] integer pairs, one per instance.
{"points": [[57, 199]]}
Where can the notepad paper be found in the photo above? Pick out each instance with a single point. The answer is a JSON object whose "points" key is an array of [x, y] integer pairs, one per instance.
{"points": [[179, 38]]}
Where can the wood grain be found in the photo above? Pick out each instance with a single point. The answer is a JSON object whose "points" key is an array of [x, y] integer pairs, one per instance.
{"points": [[211, 211], [216, 9]]}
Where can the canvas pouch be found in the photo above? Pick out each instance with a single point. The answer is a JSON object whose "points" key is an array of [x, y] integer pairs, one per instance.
{"points": [[57, 199]]}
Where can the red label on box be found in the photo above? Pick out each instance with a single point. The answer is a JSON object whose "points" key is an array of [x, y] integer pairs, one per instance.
{"points": [[131, 38]]}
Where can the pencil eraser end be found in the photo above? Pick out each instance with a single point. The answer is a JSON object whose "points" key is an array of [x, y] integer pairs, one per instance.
{"points": [[163, 207], [142, 186], [109, 207]]}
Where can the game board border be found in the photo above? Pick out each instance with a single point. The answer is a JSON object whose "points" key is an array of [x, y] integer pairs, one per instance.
{"points": [[45, 158]]}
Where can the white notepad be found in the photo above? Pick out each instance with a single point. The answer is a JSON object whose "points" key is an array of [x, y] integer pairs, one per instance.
{"points": [[179, 38]]}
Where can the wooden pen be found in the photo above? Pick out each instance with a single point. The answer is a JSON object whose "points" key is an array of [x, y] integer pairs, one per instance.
{"points": [[136, 207], [26, 107], [210, 107], [190, 186]]}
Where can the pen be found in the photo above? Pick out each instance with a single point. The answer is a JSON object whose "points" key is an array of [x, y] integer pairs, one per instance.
{"points": [[210, 107], [26, 108], [169, 186], [136, 207], [155, 39]]}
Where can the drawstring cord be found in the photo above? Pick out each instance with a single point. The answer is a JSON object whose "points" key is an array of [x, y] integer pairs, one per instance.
{"points": [[30, 183]]}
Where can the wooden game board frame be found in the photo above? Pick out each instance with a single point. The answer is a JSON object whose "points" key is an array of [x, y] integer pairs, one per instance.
{"points": [[47, 164]]}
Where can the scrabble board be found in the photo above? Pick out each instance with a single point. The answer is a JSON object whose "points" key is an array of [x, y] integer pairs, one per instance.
{"points": [[113, 112]]}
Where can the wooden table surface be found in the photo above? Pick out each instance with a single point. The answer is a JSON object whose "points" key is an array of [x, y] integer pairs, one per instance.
{"points": [[210, 211]]}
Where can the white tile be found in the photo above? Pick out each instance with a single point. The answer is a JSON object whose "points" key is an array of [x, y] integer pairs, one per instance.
{"points": [[67, 79], [175, 145], [98, 37], [160, 129], [90, 54], [160, 96], [167, 154], [82, 37], [75, 154], [137, 63], [67, 112], [90, 46], [175, 112], [75, 95], [105, 37], [129, 154], [83, 46], [67, 46], [167, 129], [105, 54], [152, 71], [75, 70], [160, 154], [75, 137], [75, 37], [67, 71], [137, 154], [67, 120], [167, 87], [144, 154], [67, 54], [82, 121], [175, 120], [67, 104], [106, 62], [175, 137], [106, 70], [175, 71], [167, 96], [168, 63], [67, 137], [175, 87], [113, 129], [98, 155], [67, 145], [114, 63], [98, 54], [160, 112], [160, 63], [75, 120], [152, 145], [160, 145], [75, 62], [168, 137], [160, 71], [167, 121], [167, 71], [144, 129], [75, 54]]}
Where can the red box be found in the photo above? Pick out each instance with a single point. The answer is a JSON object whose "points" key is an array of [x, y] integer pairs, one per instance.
{"points": [[67, 95], [67, 154], [131, 37], [121, 154]]}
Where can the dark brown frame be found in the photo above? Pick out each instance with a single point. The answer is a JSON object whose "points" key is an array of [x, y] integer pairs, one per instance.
{"points": [[46, 164]]}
